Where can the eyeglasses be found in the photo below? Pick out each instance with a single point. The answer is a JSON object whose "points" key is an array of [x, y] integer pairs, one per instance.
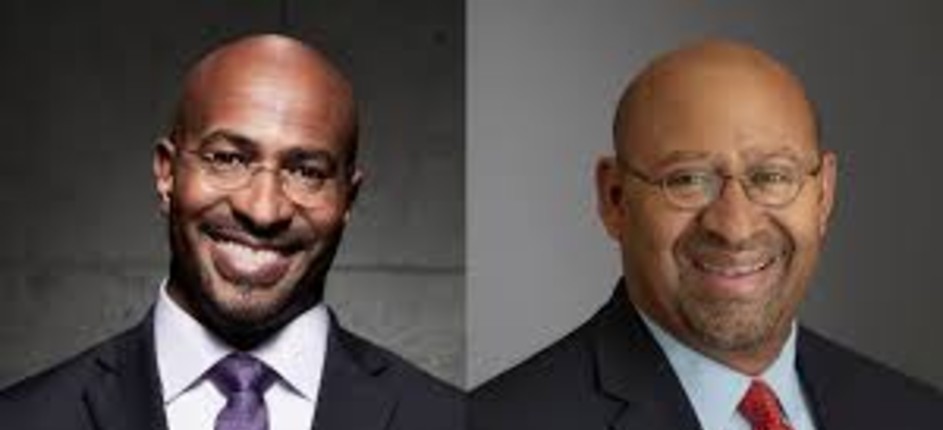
{"points": [[302, 181], [773, 185]]}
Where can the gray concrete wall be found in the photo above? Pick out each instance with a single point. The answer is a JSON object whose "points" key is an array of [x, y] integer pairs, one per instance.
{"points": [[86, 88], [543, 78]]}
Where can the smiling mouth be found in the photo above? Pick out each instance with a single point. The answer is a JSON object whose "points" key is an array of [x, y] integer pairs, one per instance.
{"points": [[734, 270], [248, 265], [730, 278]]}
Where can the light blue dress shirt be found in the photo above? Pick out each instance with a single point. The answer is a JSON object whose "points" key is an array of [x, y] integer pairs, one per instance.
{"points": [[715, 390]]}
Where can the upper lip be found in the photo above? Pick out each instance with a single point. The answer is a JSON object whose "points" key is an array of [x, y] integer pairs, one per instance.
{"points": [[281, 246], [727, 261], [731, 260]]}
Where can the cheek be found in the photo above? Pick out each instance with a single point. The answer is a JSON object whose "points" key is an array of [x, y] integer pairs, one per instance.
{"points": [[327, 217], [192, 197], [657, 228], [654, 234], [802, 223], [192, 204]]}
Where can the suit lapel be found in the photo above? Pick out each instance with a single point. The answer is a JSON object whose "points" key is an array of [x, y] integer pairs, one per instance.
{"points": [[353, 395], [632, 369], [826, 384], [125, 391]]}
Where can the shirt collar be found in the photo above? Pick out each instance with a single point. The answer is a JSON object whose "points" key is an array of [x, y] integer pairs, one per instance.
{"points": [[297, 351], [783, 378], [186, 350], [715, 390]]}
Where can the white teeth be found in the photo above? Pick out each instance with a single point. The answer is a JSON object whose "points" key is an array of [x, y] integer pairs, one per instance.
{"points": [[733, 271], [248, 259]]}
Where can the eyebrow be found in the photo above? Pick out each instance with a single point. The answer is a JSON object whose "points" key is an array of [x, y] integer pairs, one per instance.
{"points": [[749, 155], [753, 155], [291, 155], [241, 142], [679, 156], [298, 155]]}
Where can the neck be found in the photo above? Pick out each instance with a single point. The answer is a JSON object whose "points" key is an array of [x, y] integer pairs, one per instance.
{"points": [[750, 359], [241, 335], [752, 362]]}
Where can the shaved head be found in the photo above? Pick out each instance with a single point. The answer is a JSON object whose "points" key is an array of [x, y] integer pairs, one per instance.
{"points": [[257, 180], [298, 73], [719, 196], [713, 68]]}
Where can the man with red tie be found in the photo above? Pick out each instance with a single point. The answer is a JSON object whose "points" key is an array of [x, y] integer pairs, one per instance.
{"points": [[718, 195], [256, 178]]}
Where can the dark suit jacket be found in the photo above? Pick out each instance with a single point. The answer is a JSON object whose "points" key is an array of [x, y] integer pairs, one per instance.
{"points": [[115, 386], [611, 374]]}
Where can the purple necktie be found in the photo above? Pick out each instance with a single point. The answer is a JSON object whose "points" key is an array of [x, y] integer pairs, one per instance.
{"points": [[243, 380]]}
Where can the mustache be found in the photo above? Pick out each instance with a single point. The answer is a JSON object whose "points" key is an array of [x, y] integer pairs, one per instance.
{"points": [[285, 241], [705, 244]]}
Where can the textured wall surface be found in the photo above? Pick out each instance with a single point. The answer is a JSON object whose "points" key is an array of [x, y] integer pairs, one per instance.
{"points": [[543, 79], [88, 86]]}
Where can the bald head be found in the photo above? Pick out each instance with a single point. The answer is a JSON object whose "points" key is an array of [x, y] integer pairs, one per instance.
{"points": [[250, 251], [281, 72], [721, 264], [710, 79]]}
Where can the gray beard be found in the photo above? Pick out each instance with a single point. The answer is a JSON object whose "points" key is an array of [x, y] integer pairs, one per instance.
{"points": [[730, 324]]}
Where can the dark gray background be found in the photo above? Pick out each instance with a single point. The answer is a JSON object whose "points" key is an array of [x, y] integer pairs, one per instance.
{"points": [[87, 87], [543, 79]]}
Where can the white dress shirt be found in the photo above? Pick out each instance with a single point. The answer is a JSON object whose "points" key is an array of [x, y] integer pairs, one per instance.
{"points": [[186, 350], [715, 390]]}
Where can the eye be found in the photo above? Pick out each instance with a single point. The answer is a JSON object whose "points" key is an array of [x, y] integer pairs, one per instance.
{"points": [[772, 177], [689, 184], [225, 160], [312, 174], [688, 179]]}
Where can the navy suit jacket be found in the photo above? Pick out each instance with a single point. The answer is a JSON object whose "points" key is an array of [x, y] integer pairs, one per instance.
{"points": [[115, 386], [611, 374]]}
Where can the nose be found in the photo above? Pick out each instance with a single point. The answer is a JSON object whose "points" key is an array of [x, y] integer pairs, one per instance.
{"points": [[262, 206], [732, 216]]}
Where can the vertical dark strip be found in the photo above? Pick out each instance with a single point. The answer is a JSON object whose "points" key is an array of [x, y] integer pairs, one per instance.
{"points": [[283, 24]]}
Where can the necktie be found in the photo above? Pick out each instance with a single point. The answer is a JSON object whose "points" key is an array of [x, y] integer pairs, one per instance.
{"points": [[761, 408], [243, 380]]}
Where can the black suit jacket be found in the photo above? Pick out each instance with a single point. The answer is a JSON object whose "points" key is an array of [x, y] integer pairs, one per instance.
{"points": [[115, 386], [611, 374]]}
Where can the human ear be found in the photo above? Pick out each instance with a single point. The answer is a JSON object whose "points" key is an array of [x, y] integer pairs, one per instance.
{"points": [[610, 194], [827, 178], [164, 151], [353, 190]]}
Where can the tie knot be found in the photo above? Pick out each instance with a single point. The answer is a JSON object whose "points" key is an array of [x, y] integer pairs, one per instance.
{"points": [[761, 408], [240, 372]]}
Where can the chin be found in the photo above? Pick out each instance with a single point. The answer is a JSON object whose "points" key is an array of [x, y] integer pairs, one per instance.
{"points": [[242, 320], [245, 304], [737, 323], [227, 289]]}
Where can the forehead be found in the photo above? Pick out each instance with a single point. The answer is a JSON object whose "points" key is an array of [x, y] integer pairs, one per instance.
{"points": [[720, 111], [276, 110]]}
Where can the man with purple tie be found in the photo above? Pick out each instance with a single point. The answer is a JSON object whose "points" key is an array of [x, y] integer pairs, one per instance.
{"points": [[256, 178]]}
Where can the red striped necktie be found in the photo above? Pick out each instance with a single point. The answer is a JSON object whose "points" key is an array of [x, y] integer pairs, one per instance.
{"points": [[761, 408]]}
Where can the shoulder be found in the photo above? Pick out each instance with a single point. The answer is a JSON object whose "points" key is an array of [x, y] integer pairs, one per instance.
{"points": [[406, 377], [421, 397], [566, 362], [847, 380], [58, 382], [549, 389], [55, 395], [569, 366]]}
